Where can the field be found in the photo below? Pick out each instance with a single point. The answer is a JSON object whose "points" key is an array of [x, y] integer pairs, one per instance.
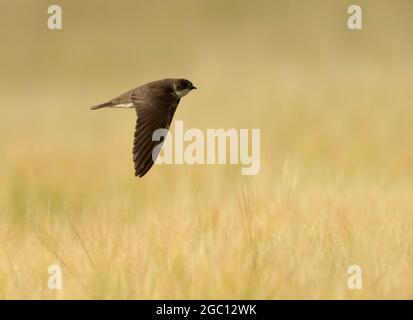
{"points": [[335, 187]]}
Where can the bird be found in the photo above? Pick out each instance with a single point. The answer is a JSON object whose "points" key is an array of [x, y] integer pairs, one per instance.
{"points": [[155, 104]]}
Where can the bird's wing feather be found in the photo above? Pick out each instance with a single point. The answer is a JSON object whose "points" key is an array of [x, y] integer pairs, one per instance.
{"points": [[153, 113]]}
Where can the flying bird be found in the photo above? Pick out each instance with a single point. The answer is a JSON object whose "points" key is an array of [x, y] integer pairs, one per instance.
{"points": [[155, 104]]}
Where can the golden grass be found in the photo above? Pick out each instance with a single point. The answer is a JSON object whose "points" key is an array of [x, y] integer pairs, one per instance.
{"points": [[280, 239], [335, 185]]}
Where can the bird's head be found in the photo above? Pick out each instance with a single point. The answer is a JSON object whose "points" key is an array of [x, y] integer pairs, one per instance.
{"points": [[182, 87]]}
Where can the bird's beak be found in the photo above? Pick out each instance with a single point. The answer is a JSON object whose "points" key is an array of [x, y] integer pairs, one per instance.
{"points": [[193, 88]]}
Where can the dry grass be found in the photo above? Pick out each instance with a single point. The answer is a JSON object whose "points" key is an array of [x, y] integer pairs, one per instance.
{"points": [[335, 185]]}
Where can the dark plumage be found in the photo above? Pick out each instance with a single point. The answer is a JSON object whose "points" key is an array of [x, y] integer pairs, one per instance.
{"points": [[155, 104]]}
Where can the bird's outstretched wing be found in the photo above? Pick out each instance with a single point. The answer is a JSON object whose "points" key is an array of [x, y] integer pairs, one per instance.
{"points": [[154, 114]]}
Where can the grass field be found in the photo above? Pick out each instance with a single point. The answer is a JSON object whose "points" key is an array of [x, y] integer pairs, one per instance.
{"points": [[335, 186]]}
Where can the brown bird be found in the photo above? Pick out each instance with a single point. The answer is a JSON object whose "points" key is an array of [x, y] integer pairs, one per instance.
{"points": [[155, 104]]}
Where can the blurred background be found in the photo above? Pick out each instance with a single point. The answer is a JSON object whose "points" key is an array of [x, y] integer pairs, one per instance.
{"points": [[333, 105], [324, 96]]}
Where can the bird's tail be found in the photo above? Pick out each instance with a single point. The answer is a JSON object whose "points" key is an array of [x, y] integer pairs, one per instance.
{"points": [[102, 105]]}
